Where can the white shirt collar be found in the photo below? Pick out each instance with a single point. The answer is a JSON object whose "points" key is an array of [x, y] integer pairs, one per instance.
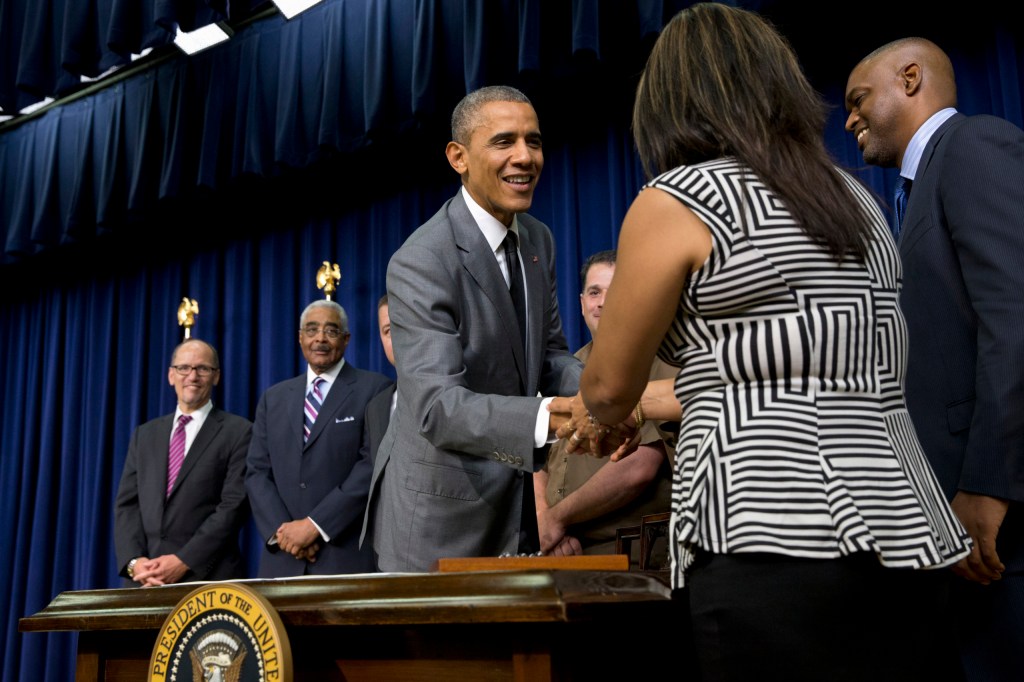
{"points": [[198, 417], [912, 157], [330, 375], [492, 229]]}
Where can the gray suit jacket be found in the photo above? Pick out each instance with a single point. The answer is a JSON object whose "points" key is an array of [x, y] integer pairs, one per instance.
{"points": [[325, 478], [448, 477], [201, 519]]}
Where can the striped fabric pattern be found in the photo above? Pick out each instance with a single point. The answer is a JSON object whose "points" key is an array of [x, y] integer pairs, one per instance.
{"points": [[314, 400], [176, 452], [795, 437]]}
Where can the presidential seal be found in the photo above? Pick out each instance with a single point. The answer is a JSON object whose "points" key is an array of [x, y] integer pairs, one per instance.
{"points": [[222, 632]]}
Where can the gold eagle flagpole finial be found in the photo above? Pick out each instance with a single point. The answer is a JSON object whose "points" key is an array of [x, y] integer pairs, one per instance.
{"points": [[187, 311], [327, 278]]}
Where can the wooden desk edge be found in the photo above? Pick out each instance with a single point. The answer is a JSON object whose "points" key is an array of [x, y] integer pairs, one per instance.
{"points": [[451, 597]]}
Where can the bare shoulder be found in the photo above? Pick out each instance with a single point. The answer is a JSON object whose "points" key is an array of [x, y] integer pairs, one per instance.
{"points": [[661, 224]]}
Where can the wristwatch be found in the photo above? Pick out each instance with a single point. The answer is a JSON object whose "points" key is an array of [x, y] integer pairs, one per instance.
{"points": [[131, 567]]}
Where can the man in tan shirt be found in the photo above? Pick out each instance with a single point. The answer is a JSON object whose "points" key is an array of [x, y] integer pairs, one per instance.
{"points": [[581, 499]]}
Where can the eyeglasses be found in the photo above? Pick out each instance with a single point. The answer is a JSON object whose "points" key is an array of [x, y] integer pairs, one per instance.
{"points": [[329, 331], [201, 370]]}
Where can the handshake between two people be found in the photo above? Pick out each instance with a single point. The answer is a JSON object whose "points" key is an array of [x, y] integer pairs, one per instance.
{"points": [[570, 420]]}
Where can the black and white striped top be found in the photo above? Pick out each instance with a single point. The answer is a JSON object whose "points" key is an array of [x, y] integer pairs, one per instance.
{"points": [[795, 436]]}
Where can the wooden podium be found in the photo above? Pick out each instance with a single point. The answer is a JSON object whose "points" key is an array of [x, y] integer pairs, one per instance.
{"points": [[522, 624]]}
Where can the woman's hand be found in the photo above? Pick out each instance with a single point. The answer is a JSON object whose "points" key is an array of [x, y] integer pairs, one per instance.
{"points": [[584, 434]]}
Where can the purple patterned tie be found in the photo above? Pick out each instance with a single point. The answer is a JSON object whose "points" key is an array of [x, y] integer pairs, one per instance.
{"points": [[314, 399], [176, 453]]}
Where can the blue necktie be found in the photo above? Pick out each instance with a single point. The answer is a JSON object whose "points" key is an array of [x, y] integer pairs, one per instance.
{"points": [[902, 193]]}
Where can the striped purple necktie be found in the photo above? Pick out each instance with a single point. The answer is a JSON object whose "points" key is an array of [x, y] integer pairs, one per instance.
{"points": [[176, 452], [314, 399]]}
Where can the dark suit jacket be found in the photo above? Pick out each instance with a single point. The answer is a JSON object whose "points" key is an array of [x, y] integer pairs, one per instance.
{"points": [[449, 474], [378, 416], [201, 519], [962, 249], [326, 478]]}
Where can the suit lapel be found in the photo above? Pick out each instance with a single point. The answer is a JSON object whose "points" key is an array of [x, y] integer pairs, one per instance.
{"points": [[297, 397], [478, 259], [206, 435], [927, 155], [153, 479]]}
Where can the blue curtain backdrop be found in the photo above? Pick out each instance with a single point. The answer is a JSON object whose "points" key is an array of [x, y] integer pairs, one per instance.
{"points": [[230, 176]]}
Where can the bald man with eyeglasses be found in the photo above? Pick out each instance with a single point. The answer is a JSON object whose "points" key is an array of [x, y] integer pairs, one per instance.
{"points": [[308, 472], [181, 501]]}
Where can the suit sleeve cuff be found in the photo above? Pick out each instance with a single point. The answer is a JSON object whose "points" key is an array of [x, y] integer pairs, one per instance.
{"points": [[540, 431], [320, 530]]}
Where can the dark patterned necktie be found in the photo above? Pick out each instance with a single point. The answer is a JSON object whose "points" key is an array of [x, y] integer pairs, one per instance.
{"points": [[176, 452], [515, 278], [902, 194], [314, 399], [529, 541]]}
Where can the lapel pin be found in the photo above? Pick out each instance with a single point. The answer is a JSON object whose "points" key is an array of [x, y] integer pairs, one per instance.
{"points": [[536, 260]]}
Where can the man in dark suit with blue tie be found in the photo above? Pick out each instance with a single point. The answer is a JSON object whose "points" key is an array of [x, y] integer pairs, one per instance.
{"points": [[961, 244], [178, 518], [308, 467]]}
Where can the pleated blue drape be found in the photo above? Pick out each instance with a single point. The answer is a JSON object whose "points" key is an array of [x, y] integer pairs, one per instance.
{"points": [[48, 45], [230, 176], [281, 95]]}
